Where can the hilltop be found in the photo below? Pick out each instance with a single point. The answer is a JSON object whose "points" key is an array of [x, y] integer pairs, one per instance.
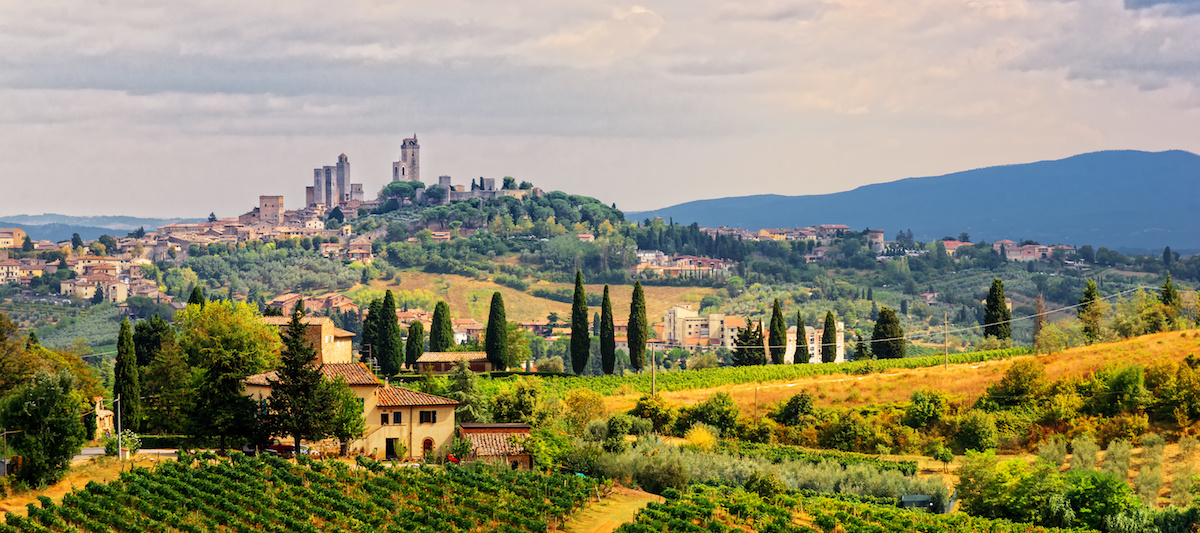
{"points": [[1130, 199]]}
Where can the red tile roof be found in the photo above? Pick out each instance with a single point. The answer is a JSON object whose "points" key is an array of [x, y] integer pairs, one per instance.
{"points": [[399, 397], [355, 374], [451, 357], [495, 444]]}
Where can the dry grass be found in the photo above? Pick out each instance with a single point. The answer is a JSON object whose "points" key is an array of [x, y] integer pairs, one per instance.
{"points": [[469, 297], [965, 381], [619, 506], [100, 469]]}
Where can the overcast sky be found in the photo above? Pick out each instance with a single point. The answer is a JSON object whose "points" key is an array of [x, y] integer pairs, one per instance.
{"points": [[152, 108]]}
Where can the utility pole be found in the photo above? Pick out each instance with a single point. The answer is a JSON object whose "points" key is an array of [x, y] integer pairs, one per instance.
{"points": [[120, 444]]}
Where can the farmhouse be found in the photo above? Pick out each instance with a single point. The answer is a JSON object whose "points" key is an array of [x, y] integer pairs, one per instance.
{"points": [[444, 362], [502, 443]]}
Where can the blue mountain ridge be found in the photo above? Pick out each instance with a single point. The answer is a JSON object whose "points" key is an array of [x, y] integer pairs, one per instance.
{"points": [[1119, 199]]}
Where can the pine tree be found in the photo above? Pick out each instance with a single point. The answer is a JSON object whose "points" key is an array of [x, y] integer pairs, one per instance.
{"points": [[300, 406], [801, 355], [887, 341], [608, 340], [441, 333], [1169, 296], [1039, 316], [197, 297], [148, 338], [748, 346], [778, 337], [580, 340], [997, 319], [861, 350], [1089, 312], [127, 385], [638, 328], [496, 340], [829, 339], [389, 346], [416, 343]]}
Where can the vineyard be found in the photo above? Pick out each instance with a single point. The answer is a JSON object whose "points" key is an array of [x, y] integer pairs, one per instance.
{"points": [[778, 453], [715, 377], [271, 495], [726, 509]]}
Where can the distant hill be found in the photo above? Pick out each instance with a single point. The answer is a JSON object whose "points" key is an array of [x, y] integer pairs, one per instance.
{"points": [[55, 227], [1119, 199]]}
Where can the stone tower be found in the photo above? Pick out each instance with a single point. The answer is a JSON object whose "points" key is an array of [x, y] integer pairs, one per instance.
{"points": [[408, 168], [270, 209], [343, 181]]}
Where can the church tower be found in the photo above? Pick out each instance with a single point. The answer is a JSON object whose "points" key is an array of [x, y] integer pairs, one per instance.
{"points": [[408, 168]]}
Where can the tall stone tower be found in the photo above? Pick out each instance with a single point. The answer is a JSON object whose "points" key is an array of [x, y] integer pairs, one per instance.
{"points": [[270, 209], [343, 180], [408, 168]]}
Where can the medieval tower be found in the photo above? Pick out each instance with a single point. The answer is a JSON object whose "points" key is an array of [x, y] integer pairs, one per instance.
{"points": [[408, 168]]}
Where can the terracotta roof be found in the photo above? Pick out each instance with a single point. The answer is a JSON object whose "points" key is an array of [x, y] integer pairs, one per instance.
{"points": [[285, 320], [400, 397], [451, 357], [355, 374], [338, 332], [495, 444]]}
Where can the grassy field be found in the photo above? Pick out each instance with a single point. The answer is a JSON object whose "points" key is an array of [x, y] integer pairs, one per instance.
{"points": [[469, 297], [619, 506], [961, 380]]}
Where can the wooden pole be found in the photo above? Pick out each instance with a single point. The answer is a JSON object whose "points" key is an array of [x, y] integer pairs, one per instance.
{"points": [[946, 337], [653, 364]]}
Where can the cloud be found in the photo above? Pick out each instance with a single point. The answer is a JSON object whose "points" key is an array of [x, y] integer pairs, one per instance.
{"points": [[623, 34]]}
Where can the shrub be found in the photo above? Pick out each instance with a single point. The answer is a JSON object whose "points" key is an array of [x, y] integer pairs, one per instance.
{"points": [[129, 440], [618, 428], [657, 411], [797, 408], [702, 436], [1053, 451], [718, 411], [765, 484], [977, 431], [926, 406], [1116, 458], [1083, 452], [641, 426]]}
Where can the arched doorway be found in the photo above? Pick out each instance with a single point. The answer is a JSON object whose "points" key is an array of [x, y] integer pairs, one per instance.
{"points": [[427, 448]]}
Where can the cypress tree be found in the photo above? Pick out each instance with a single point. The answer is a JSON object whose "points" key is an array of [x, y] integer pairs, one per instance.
{"points": [[1089, 312], [904, 307], [416, 343], [871, 294], [801, 355], [298, 397], [389, 345], [608, 340], [997, 319], [370, 329], [126, 384], [887, 341], [1169, 295], [441, 333], [580, 340], [197, 297], [638, 328], [778, 337], [1039, 316], [496, 340], [829, 339]]}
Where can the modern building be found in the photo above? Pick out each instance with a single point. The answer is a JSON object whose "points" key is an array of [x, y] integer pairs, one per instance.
{"points": [[683, 327]]}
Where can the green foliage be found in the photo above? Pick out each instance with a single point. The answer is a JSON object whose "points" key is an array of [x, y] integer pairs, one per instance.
{"points": [[46, 410], [1083, 452], [797, 409], [302, 404], [801, 355], [748, 346], [977, 431], [415, 344], [608, 342], [270, 494], [781, 453], [718, 411], [496, 338], [639, 329], [441, 332], [926, 406], [580, 342], [389, 349], [148, 338], [1090, 311], [169, 389], [653, 408], [778, 334], [887, 340], [129, 440], [829, 339], [996, 316], [127, 385]]}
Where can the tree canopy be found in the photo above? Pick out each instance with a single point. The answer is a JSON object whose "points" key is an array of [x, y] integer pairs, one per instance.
{"points": [[887, 341], [580, 339]]}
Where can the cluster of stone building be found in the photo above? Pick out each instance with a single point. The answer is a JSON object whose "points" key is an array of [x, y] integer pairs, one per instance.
{"points": [[683, 327], [653, 263]]}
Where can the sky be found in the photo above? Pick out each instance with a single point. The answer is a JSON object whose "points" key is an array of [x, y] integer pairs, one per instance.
{"points": [[151, 108]]}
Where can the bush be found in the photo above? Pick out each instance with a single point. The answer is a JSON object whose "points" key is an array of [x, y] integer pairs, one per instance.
{"points": [[657, 411], [1116, 458], [618, 428], [1053, 451], [977, 431], [702, 436], [1083, 452], [129, 440], [765, 484], [641, 427], [926, 406], [661, 472]]}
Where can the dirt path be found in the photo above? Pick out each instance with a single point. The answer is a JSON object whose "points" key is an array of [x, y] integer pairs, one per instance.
{"points": [[619, 507]]}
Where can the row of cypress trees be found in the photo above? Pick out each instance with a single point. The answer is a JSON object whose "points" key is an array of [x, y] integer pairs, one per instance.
{"points": [[638, 332]]}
